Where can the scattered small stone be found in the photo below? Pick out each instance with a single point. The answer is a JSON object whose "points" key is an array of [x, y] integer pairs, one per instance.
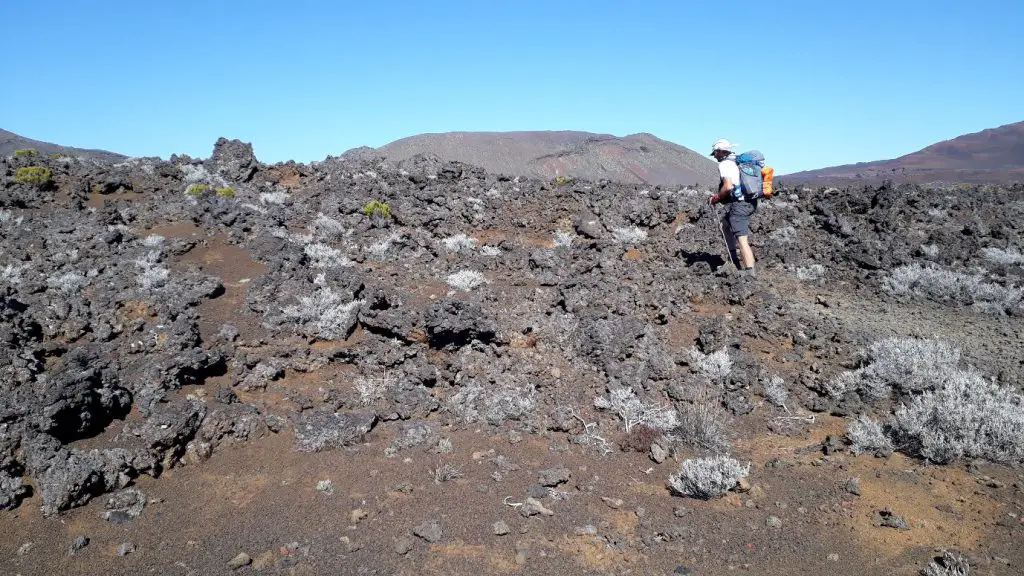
{"points": [[588, 530], [680, 511], [515, 437], [500, 528], [24, 549], [682, 571], [559, 445], [126, 548], [274, 422], [325, 486], [554, 476], [403, 545], [287, 562], [483, 454], [404, 488], [263, 561], [833, 557], [533, 507], [658, 454], [537, 491], [225, 395], [237, 562], [891, 520], [429, 531], [79, 543], [293, 548], [853, 486], [613, 503], [990, 482], [358, 515], [125, 506], [773, 522], [779, 463], [743, 485], [349, 545]]}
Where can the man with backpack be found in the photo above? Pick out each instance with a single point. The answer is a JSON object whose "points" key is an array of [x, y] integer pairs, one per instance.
{"points": [[742, 184]]}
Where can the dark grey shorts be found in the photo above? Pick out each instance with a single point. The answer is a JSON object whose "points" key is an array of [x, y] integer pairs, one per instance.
{"points": [[738, 217]]}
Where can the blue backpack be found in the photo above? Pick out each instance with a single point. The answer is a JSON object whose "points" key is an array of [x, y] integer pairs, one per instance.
{"points": [[751, 184]]}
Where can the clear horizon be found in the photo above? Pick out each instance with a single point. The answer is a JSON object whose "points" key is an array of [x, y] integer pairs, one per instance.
{"points": [[810, 85]]}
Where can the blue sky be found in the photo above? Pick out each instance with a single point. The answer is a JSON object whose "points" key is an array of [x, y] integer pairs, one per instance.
{"points": [[811, 84]]}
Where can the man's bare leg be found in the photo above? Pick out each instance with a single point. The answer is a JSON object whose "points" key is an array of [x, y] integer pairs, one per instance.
{"points": [[746, 254]]}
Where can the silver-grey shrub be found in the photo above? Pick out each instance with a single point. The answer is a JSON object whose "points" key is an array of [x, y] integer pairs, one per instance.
{"points": [[905, 365], [466, 280], [810, 273], [633, 411], [703, 424], [459, 243], [1007, 257], [324, 314], [968, 417], [716, 366], [776, 392], [947, 286], [707, 478], [867, 435]]}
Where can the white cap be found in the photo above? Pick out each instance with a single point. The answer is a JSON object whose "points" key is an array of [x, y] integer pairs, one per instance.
{"points": [[722, 144]]}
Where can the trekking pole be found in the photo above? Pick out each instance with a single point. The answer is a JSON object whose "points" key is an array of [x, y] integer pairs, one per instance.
{"points": [[728, 253]]}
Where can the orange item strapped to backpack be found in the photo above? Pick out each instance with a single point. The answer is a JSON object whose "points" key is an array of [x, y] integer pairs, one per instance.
{"points": [[766, 181]]}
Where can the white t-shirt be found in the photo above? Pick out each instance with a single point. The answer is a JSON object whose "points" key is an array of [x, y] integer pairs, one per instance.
{"points": [[728, 169]]}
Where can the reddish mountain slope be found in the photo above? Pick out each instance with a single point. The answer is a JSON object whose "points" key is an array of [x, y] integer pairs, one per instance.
{"points": [[10, 142], [637, 158], [995, 155]]}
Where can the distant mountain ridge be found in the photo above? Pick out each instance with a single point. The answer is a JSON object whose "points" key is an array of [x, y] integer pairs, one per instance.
{"points": [[9, 142], [995, 155], [637, 159]]}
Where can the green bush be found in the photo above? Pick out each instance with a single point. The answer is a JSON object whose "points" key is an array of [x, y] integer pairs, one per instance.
{"points": [[25, 152], [561, 180], [377, 208], [37, 175], [196, 189], [226, 192]]}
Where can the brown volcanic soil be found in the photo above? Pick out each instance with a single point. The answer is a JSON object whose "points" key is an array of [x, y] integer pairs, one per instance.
{"points": [[261, 496]]}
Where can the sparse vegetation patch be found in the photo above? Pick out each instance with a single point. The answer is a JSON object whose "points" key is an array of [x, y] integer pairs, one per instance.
{"points": [[946, 286], [35, 175], [707, 478], [377, 209]]}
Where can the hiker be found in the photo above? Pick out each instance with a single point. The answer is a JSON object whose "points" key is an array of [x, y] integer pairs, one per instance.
{"points": [[740, 208]]}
